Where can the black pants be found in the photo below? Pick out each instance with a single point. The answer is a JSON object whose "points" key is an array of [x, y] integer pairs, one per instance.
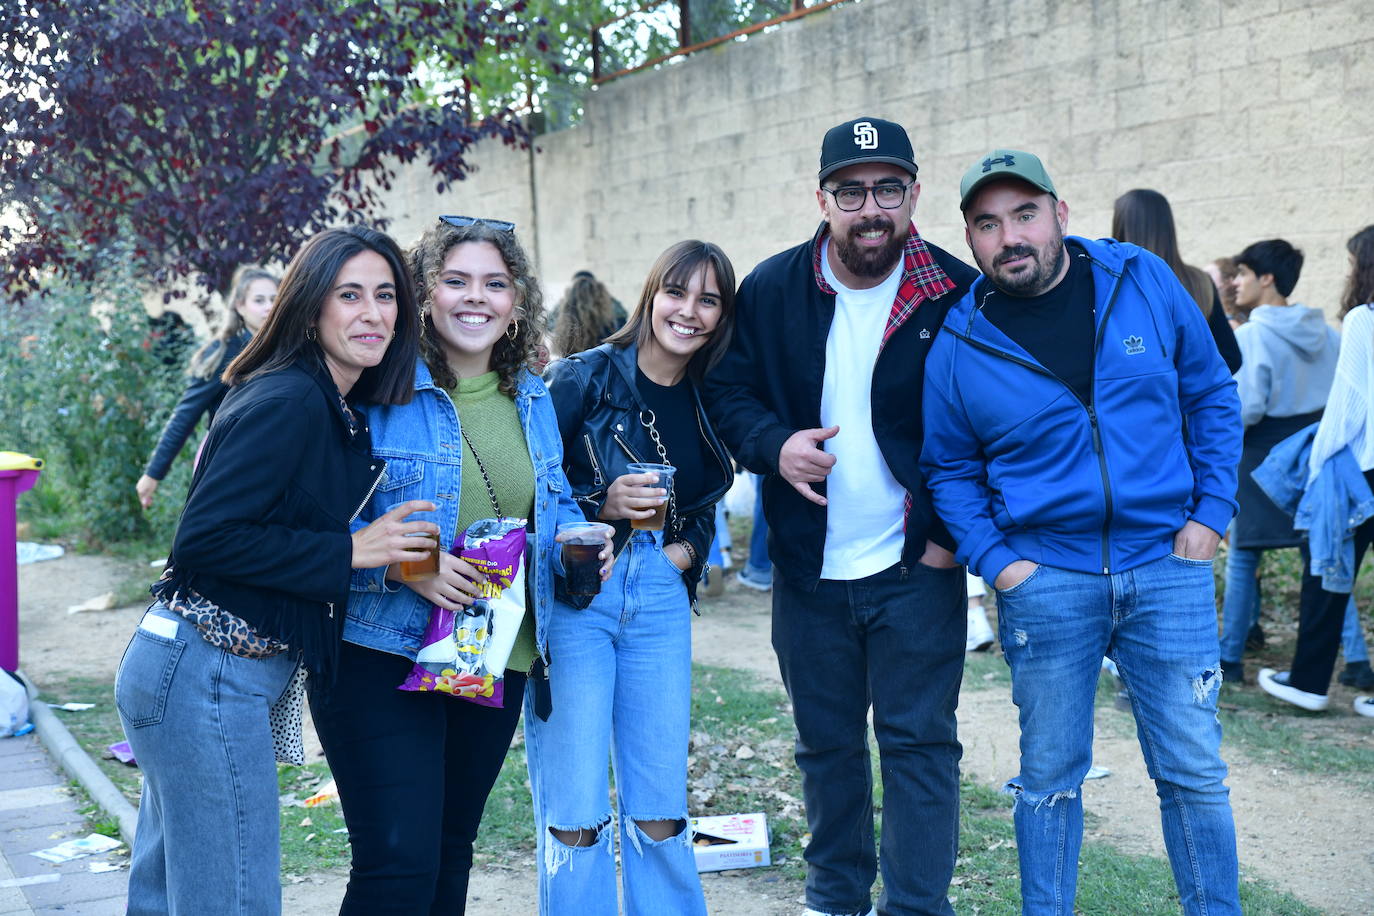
{"points": [[413, 771], [1320, 618], [893, 641]]}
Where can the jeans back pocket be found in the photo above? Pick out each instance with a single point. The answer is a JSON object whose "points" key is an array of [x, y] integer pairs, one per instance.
{"points": [[145, 677]]}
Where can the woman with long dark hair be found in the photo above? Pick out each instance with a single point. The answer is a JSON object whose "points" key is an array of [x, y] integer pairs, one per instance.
{"points": [[250, 301], [1143, 217], [1345, 423], [255, 588], [622, 665], [480, 440]]}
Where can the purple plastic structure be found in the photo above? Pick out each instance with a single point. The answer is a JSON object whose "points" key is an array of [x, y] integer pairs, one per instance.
{"points": [[12, 483]]}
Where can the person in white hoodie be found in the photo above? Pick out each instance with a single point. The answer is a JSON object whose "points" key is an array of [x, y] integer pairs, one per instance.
{"points": [[1288, 356]]}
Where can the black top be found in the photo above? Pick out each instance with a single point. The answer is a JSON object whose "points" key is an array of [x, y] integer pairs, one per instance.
{"points": [[201, 397], [769, 385], [1223, 334], [675, 418], [1056, 327]]}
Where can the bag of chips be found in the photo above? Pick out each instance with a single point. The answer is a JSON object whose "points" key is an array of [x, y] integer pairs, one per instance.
{"points": [[464, 652]]}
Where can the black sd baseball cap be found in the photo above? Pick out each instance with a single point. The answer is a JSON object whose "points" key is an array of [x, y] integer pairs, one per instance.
{"points": [[866, 140]]}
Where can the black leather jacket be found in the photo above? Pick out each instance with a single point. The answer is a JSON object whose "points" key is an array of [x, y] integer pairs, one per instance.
{"points": [[598, 416]]}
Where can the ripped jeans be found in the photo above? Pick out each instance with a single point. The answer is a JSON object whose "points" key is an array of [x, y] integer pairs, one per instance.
{"points": [[1158, 623], [621, 675]]}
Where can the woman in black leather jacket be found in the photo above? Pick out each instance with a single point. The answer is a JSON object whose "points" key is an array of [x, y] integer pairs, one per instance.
{"points": [[622, 664], [249, 304]]}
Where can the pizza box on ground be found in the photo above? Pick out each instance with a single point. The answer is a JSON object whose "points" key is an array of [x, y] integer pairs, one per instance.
{"points": [[730, 841]]}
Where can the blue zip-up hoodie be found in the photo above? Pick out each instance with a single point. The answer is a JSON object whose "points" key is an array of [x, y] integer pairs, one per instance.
{"points": [[1020, 468]]}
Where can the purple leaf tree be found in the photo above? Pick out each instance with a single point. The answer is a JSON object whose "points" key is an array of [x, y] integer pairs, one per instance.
{"points": [[202, 134]]}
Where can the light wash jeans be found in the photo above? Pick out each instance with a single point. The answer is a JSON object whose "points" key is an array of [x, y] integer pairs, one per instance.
{"points": [[197, 720], [620, 673], [1158, 623], [1240, 609]]}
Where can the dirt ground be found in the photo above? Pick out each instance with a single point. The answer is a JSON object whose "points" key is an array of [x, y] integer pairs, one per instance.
{"points": [[1306, 835]]}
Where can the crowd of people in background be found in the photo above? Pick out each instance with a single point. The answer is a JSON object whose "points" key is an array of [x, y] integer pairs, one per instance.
{"points": [[1070, 425]]}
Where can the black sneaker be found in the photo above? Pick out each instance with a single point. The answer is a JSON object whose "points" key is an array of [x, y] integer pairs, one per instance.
{"points": [[1358, 675], [1232, 672], [1254, 640]]}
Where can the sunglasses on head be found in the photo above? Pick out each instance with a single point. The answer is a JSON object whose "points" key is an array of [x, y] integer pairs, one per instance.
{"points": [[500, 225]]}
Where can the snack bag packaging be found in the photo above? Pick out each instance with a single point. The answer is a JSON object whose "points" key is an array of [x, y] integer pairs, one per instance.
{"points": [[464, 652]]}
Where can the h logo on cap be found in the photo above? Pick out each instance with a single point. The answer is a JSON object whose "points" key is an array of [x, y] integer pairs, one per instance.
{"points": [[865, 135], [1008, 161]]}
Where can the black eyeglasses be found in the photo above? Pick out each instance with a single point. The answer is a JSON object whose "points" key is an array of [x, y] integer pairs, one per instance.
{"points": [[888, 196], [500, 225]]}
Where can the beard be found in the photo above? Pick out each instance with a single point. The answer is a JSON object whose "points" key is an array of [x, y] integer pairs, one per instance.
{"points": [[870, 262], [1046, 263]]}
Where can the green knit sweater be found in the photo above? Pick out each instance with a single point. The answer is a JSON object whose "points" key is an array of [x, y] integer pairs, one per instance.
{"points": [[491, 421]]}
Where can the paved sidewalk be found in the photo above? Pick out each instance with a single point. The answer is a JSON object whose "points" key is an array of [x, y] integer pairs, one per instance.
{"points": [[37, 811]]}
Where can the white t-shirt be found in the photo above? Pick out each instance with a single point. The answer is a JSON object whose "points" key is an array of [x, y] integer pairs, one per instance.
{"points": [[863, 527]]}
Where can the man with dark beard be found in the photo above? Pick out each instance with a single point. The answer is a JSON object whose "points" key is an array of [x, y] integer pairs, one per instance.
{"points": [[820, 392], [1082, 435]]}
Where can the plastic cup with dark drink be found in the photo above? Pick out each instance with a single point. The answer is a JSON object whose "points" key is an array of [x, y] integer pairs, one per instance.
{"points": [[582, 545], [428, 567], [665, 474]]}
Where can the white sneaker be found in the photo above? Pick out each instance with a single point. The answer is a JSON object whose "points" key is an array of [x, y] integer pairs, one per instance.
{"points": [[1275, 683], [980, 635], [1365, 706]]}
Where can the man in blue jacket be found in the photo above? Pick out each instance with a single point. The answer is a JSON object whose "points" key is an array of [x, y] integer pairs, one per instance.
{"points": [[818, 391], [1081, 441]]}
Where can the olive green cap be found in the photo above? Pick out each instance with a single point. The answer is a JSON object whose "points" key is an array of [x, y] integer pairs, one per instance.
{"points": [[1005, 163]]}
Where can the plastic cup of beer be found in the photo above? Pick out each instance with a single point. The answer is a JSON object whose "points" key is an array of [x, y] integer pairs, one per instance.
{"points": [[665, 474], [582, 545], [428, 567]]}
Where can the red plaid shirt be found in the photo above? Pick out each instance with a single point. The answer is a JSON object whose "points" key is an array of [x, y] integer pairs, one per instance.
{"points": [[922, 279]]}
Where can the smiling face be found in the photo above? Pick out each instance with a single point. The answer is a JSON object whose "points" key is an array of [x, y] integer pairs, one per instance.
{"points": [[358, 318], [472, 306], [867, 243], [684, 315], [1016, 233], [257, 303]]}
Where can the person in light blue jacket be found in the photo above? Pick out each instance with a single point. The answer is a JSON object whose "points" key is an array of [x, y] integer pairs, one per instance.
{"points": [[1081, 440], [479, 439]]}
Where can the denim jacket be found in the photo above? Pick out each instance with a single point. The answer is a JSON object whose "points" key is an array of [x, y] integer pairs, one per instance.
{"points": [[1329, 507], [423, 450]]}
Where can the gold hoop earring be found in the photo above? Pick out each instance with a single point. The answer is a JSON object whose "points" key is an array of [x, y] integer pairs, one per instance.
{"points": [[513, 330], [312, 333]]}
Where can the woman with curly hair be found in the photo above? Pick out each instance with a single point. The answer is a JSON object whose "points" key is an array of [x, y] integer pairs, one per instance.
{"points": [[479, 439], [585, 316], [249, 304]]}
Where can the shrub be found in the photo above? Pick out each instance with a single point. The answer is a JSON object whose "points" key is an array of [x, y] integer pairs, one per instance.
{"points": [[87, 390]]}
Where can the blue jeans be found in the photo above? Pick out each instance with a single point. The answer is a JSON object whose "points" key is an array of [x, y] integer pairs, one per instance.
{"points": [[620, 673], [893, 641], [197, 720], [758, 537], [1240, 609], [1240, 605], [1158, 623]]}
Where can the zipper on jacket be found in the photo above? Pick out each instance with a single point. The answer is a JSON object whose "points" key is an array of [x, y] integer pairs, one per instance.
{"points": [[370, 490], [626, 446], [599, 479], [1097, 435]]}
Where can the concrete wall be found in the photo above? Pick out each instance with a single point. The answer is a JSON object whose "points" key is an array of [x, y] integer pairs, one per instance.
{"points": [[1255, 118]]}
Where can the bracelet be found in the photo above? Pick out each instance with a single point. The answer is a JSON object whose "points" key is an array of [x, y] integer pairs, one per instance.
{"points": [[691, 552]]}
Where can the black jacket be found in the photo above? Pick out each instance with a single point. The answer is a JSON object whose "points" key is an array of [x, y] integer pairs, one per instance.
{"points": [[265, 530], [598, 409], [202, 396], [768, 387]]}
